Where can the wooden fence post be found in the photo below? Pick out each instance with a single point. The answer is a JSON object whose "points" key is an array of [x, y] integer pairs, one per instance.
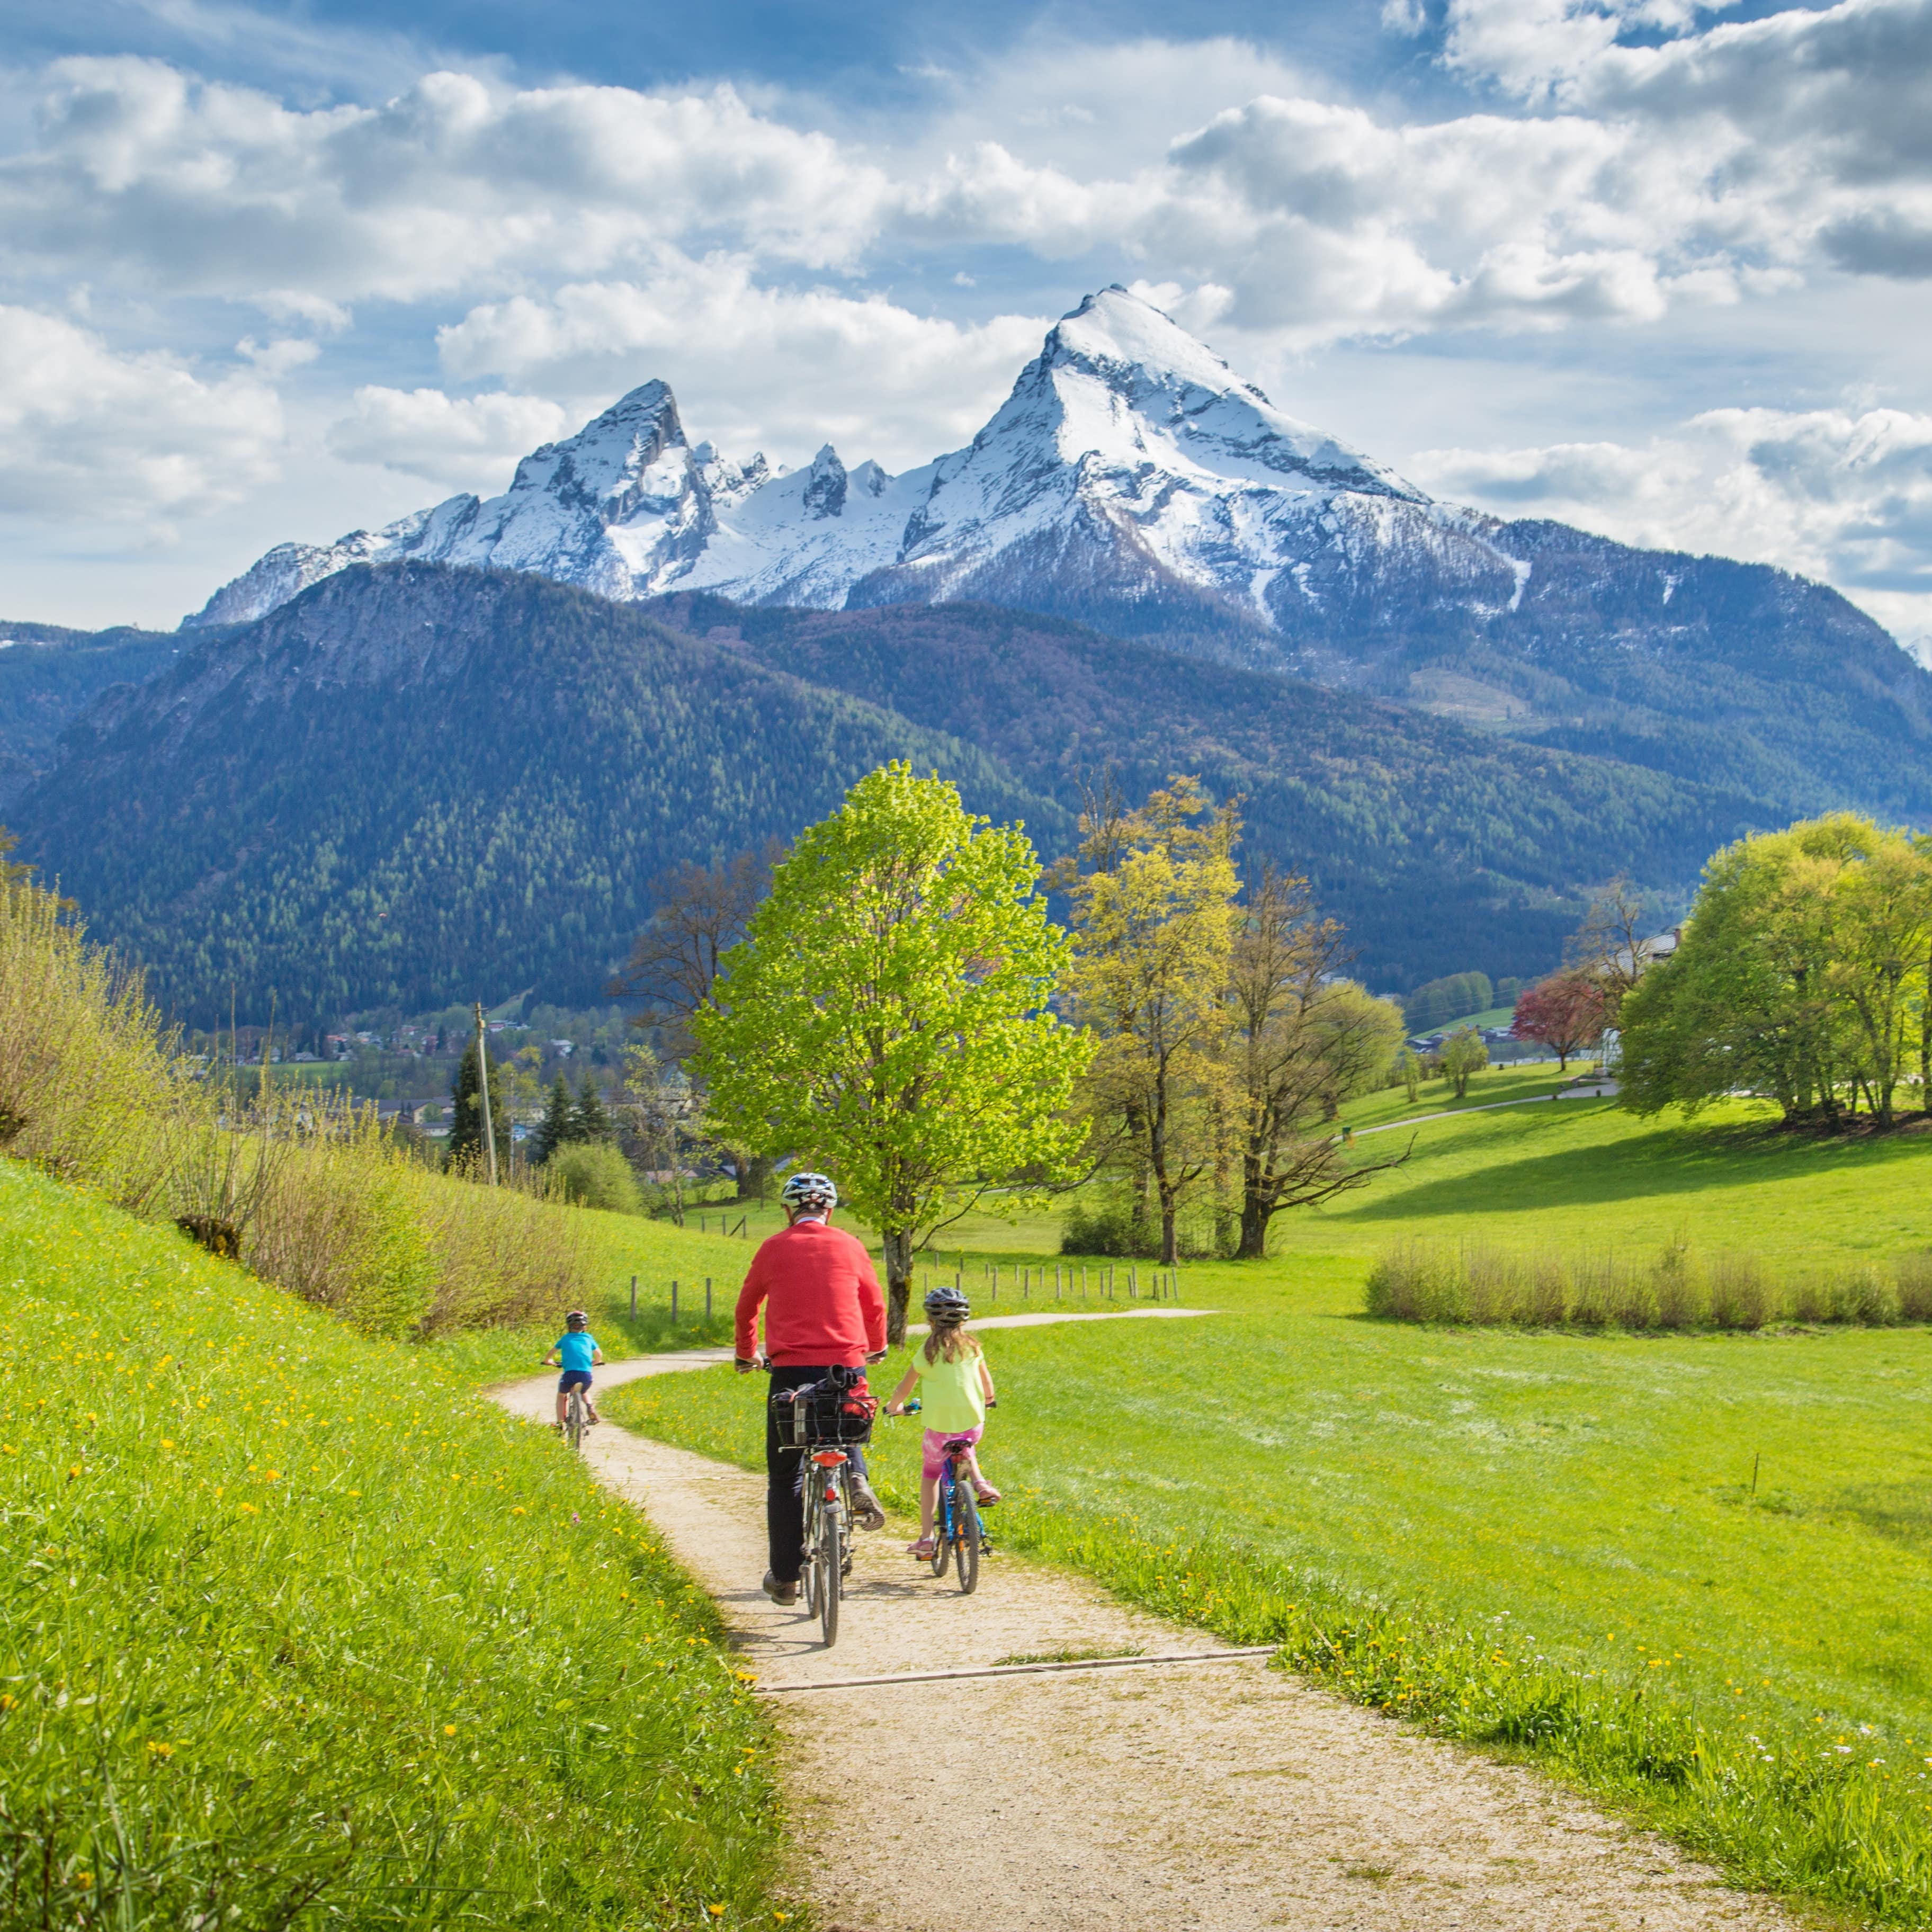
{"points": [[673, 1301], [634, 1297]]}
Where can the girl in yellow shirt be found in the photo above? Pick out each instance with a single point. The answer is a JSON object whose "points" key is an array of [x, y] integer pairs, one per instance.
{"points": [[954, 1386]]}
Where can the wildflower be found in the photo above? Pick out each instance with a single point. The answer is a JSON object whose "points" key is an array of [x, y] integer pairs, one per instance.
{"points": [[449, 1730], [249, 1509], [716, 1911], [158, 1750], [167, 1441]]}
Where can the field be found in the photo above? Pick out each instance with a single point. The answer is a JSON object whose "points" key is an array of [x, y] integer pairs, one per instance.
{"points": [[296, 1630], [1689, 1571]]}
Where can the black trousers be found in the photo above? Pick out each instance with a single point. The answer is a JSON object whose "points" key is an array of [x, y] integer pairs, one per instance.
{"points": [[784, 1481]]}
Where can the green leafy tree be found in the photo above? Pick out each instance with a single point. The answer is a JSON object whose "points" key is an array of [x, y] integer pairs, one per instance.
{"points": [[887, 1016], [1802, 974], [558, 1127], [466, 1114], [1464, 1056], [1154, 917]]}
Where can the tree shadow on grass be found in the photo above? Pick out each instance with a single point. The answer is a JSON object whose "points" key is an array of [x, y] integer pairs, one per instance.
{"points": [[1666, 1161]]}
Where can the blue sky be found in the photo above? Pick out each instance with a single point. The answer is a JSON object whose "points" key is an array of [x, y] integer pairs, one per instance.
{"points": [[278, 272]]}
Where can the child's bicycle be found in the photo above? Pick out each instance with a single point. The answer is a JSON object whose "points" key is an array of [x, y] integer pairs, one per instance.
{"points": [[576, 1417], [957, 1534]]}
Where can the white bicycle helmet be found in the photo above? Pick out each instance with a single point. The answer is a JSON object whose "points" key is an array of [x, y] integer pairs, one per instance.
{"points": [[814, 1192]]}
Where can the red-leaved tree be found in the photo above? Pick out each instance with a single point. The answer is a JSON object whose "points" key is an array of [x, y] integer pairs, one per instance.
{"points": [[1566, 1012]]}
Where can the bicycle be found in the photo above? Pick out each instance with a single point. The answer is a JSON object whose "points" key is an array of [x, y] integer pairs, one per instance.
{"points": [[959, 1535], [576, 1419], [816, 1420], [828, 1553]]}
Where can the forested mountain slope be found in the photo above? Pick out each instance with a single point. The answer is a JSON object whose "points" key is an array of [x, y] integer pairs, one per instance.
{"points": [[415, 784], [48, 675], [1432, 841]]}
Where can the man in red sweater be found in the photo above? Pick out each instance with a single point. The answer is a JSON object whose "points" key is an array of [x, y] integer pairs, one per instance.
{"points": [[823, 1310]]}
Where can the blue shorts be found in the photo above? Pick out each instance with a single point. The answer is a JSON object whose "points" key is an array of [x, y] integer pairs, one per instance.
{"points": [[572, 1378]]}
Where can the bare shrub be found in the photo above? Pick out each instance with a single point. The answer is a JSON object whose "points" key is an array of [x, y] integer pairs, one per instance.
{"points": [[1677, 1293], [312, 1196], [1913, 1278], [92, 1088], [1549, 1291], [1594, 1297], [1811, 1297], [1739, 1298]]}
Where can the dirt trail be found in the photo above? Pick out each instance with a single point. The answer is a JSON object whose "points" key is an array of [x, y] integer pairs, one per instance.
{"points": [[1209, 1797]]}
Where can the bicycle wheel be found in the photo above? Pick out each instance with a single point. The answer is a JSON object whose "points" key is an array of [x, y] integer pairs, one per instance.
{"points": [[573, 1426], [966, 1541], [831, 1557], [807, 1575]]}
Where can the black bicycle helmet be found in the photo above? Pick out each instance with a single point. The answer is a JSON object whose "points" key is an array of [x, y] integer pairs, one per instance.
{"points": [[948, 1305], [814, 1193]]}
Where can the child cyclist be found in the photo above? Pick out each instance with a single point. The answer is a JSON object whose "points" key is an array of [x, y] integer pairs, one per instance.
{"points": [[954, 1385], [575, 1350]]}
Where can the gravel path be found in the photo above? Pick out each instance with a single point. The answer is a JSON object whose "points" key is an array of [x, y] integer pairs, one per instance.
{"points": [[1208, 1797]]}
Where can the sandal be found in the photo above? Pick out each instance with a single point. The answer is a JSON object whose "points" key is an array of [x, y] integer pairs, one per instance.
{"points": [[985, 1493], [923, 1548]]}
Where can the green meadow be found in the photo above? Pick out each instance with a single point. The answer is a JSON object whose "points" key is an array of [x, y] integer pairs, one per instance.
{"points": [[1689, 1572], [297, 1630]]}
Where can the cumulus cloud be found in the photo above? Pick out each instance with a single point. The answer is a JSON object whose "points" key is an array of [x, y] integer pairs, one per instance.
{"points": [[194, 187], [1843, 494], [85, 432], [466, 444], [752, 365]]}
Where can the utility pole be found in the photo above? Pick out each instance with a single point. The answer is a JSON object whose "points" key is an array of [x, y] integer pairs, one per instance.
{"points": [[483, 1089]]}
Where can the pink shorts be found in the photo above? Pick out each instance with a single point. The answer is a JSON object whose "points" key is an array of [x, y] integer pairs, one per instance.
{"points": [[932, 1456]]}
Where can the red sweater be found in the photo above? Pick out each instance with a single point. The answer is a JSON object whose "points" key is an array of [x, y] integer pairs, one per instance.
{"points": [[823, 1308]]}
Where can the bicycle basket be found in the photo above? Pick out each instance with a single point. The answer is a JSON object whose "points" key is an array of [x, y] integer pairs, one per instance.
{"points": [[835, 1411]]}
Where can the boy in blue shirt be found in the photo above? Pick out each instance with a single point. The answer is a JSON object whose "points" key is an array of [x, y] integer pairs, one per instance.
{"points": [[575, 1351]]}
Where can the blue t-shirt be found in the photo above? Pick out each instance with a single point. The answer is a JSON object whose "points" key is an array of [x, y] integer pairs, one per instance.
{"points": [[575, 1347]]}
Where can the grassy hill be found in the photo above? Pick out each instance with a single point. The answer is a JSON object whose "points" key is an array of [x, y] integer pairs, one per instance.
{"points": [[1684, 1571], [297, 1630]]}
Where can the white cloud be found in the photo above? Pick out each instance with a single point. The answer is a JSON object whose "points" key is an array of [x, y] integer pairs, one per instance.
{"points": [[753, 366], [467, 445], [86, 433], [196, 187], [1843, 494]]}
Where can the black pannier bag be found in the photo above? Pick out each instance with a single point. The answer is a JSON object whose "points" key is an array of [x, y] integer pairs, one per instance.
{"points": [[835, 1412]]}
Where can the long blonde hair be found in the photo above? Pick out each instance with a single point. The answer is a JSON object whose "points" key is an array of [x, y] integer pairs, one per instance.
{"points": [[949, 1338]]}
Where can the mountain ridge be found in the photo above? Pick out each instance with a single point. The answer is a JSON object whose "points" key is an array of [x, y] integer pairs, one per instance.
{"points": [[416, 780]]}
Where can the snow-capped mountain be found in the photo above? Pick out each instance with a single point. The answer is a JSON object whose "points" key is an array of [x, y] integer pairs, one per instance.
{"points": [[1130, 464], [1131, 480]]}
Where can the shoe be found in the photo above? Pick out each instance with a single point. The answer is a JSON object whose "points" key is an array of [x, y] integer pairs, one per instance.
{"points": [[923, 1549], [986, 1495], [780, 1593], [869, 1511]]}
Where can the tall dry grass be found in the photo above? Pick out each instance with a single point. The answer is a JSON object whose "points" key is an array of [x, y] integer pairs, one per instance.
{"points": [[1676, 1288], [307, 1192]]}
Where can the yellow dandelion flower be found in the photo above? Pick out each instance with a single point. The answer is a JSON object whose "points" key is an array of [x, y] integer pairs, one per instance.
{"points": [[249, 1509], [156, 1749], [449, 1730]]}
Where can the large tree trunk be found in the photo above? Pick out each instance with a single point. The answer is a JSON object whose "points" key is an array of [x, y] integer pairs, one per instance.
{"points": [[898, 1285], [754, 1175], [1255, 1218]]}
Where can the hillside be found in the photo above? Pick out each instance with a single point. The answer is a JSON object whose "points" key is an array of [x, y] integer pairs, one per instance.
{"points": [[1430, 841], [415, 784], [48, 675]]}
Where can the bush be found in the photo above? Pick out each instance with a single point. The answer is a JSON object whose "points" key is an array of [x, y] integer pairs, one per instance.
{"points": [[593, 1174], [1432, 1281], [308, 1193]]}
